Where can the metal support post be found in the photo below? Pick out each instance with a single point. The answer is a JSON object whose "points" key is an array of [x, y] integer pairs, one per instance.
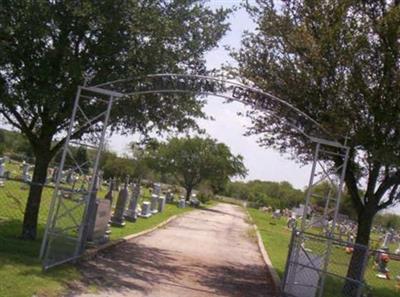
{"points": [[92, 193], [54, 200]]}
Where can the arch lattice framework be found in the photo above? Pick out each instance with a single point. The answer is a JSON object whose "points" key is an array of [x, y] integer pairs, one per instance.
{"points": [[71, 209]]}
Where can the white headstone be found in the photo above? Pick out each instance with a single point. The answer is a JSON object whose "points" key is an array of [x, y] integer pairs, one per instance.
{"points": [[146, 212], [99, 226], [118, 217], [2, 167], [182, 203], [154, 203], [161, 204], [386, 241], [169, 197], [2, 172], [54, 175], [131, 212], [25, 172], [157, 189], [109, 195]]}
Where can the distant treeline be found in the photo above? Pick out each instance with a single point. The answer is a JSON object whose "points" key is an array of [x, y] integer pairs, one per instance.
{"points": [[265, 193], [15, 145], [280, 195], [388, 221], [259, 193]]}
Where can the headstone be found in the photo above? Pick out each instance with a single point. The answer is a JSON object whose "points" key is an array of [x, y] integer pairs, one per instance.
{"points": [[115, 184], [98, 226], [154, 202], [146, 211], [54, 175], [292, 222], [118, 219], [157, 189], [25, 172], [397, 252], [101, 179], [385, 243], [300, 210], [277, 214], [194, 202], [182, 203], [161, 203], [169, 198], [70, 177], [2, 172], [2, 167], [131, 212], [109, 195]]}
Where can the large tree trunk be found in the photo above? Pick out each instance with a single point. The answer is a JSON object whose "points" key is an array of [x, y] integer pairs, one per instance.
{"points": [[29, 227], [358, 259], [188, 193]]}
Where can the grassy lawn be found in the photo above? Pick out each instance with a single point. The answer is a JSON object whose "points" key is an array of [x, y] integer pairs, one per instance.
{"points": [[20, 269], [276, 239]]}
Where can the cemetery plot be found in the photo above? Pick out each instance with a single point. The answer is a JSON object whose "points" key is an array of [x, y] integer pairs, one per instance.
{"points": [[276, 237], [19, 258]]}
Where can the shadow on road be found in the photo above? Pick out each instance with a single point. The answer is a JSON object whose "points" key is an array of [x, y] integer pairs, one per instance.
{"points": [[129, 265], [115, 268], [233, 280], [220, 212]]}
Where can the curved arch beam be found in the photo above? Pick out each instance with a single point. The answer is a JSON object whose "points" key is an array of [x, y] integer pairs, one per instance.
{"points": [[212, 86]]}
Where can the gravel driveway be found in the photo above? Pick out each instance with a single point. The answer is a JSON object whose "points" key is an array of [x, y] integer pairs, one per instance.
{"points": [[203, 253]]}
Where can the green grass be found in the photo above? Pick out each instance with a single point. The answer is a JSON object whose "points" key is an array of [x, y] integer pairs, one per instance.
{"points": [[20, 269], [276, 238]]}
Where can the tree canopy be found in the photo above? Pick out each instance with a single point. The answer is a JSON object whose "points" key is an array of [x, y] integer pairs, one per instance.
{"points": [[194, 160], [337, 61], [278, 195], [49, 48]]}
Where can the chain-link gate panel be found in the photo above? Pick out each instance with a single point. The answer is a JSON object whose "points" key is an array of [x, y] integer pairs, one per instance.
{"points": [[76, 183], [307, 276]]}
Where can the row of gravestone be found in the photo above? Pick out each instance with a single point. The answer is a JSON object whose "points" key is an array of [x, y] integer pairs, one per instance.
{"points": [[126, 209], [68, 176]]}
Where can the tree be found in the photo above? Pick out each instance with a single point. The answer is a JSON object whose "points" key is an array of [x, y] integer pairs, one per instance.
{"points": [[194, 160], [266, 193], [323, 189], [2, 142], [338, 61], [48, 47], [81, 157], [118, 167], [141, 159], [388, 221]]}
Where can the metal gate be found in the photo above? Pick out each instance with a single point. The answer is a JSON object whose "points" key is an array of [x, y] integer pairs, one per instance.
{"points": [[72, 203], [71, 207], [306, 274]]}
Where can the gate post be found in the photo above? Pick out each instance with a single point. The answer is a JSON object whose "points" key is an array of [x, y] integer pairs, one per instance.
{"points": [[54, 200], [92, 193]]}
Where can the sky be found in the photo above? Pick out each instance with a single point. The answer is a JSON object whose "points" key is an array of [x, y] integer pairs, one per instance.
{"points": [[228, 127]]}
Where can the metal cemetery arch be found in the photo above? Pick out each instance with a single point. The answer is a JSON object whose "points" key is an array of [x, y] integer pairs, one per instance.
{"points": [[66, 242]]}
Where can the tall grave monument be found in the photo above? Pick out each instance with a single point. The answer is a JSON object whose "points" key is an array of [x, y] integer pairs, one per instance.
{"points": [[118, 219], [2, 172], [131, 215]]}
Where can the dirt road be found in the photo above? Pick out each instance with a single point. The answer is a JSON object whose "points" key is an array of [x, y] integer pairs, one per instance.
{"points": [[203, 253]]}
